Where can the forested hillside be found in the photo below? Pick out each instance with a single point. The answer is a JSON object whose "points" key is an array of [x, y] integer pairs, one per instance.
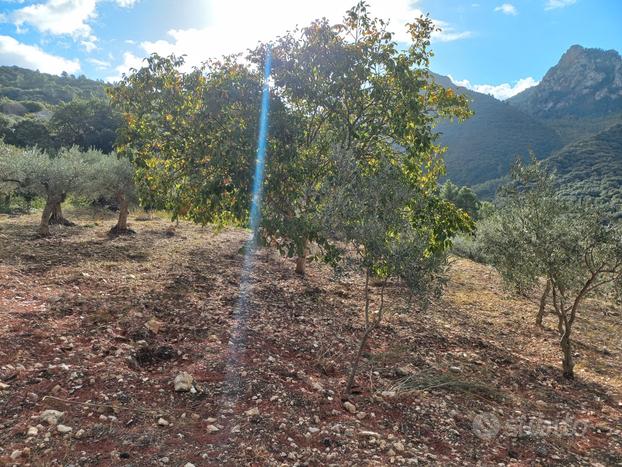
{"points": [[591, 169], [23, 85], [483, 147]]}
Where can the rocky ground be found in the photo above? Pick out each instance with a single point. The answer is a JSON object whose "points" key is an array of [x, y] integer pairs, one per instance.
{"points": [[133, 351]]}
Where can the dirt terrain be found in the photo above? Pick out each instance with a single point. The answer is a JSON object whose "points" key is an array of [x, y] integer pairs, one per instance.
{"points": [[98, 329]]}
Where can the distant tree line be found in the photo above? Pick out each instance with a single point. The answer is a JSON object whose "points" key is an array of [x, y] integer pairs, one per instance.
{"points": [[83, 123]]}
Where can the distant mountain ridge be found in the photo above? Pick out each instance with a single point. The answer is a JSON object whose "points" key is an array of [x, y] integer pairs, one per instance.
{"points": [[585, 82], [578, 99], [484, 146]]}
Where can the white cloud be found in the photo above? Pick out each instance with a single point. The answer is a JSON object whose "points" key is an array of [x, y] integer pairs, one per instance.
{"points": [[89, 45], [59, 17], [129, 61], [99, 64], [13, 52], [507, 9], [554, 4], [448, 33], [500, 91], [63, 17], [230, 32]]}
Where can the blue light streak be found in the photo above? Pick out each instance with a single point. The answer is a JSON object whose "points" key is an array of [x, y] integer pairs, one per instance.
{"points": [[237, 340]]}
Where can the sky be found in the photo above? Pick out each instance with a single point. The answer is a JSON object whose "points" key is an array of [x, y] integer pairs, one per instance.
{"points": [[496, 47]]}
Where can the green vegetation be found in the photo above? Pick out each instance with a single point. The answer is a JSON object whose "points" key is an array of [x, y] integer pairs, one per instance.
{"points": [[364, 108], [25, 86], [538, 234], [590, 170], [484, 147], [91, 174]]}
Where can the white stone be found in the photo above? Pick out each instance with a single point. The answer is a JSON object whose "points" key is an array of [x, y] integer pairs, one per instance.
{"points": [[349, 406], [63, 428], [183, 382], [51, 416]]}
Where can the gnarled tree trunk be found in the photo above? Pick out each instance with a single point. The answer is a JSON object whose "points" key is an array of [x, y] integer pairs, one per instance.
{"points": [[57, 218], [542, 309], [121, 228], [44, 226]]}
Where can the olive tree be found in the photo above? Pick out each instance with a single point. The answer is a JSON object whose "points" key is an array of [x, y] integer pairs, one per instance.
{"points": [[392, 227], [113, 177], [51, 177], [536, 235]]}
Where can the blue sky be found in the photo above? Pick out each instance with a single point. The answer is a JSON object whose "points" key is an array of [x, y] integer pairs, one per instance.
{"points": [[499, 47]]}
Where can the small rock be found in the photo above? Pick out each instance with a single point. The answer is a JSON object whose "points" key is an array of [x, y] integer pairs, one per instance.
{"points": [[164, 460], [189, 464], [51, 417], [63, 428], [455, 369], [371, 434], [398, 446], [361, 415], [211, 420], [317, 386], [4, 386], [163, 422], [212, 428], [388, 394], [16, 454], [349, 406], [79, 434], [313, 429], [32, 431], [252, 412], [401, 372], [541, 451], [154, 325], [183, 382]]}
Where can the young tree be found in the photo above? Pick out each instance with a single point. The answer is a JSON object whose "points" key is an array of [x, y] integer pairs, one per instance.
{"points": [[393, 226], [537, 234]]}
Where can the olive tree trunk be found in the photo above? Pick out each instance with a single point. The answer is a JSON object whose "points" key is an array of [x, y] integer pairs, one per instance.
{"points": [[124, 211], [542, 309], [48, 209], [57, 218], [371, 323], [567, 362]]}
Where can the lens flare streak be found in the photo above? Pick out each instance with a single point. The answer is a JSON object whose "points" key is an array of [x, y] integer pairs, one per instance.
{"points": [[238, 337]]}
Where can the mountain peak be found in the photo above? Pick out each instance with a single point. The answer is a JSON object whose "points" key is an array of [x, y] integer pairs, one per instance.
{"points": [[584, 82]]}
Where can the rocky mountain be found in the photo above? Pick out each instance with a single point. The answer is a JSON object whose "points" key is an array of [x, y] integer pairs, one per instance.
{"points": [[483, 147], [580, 95]]}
